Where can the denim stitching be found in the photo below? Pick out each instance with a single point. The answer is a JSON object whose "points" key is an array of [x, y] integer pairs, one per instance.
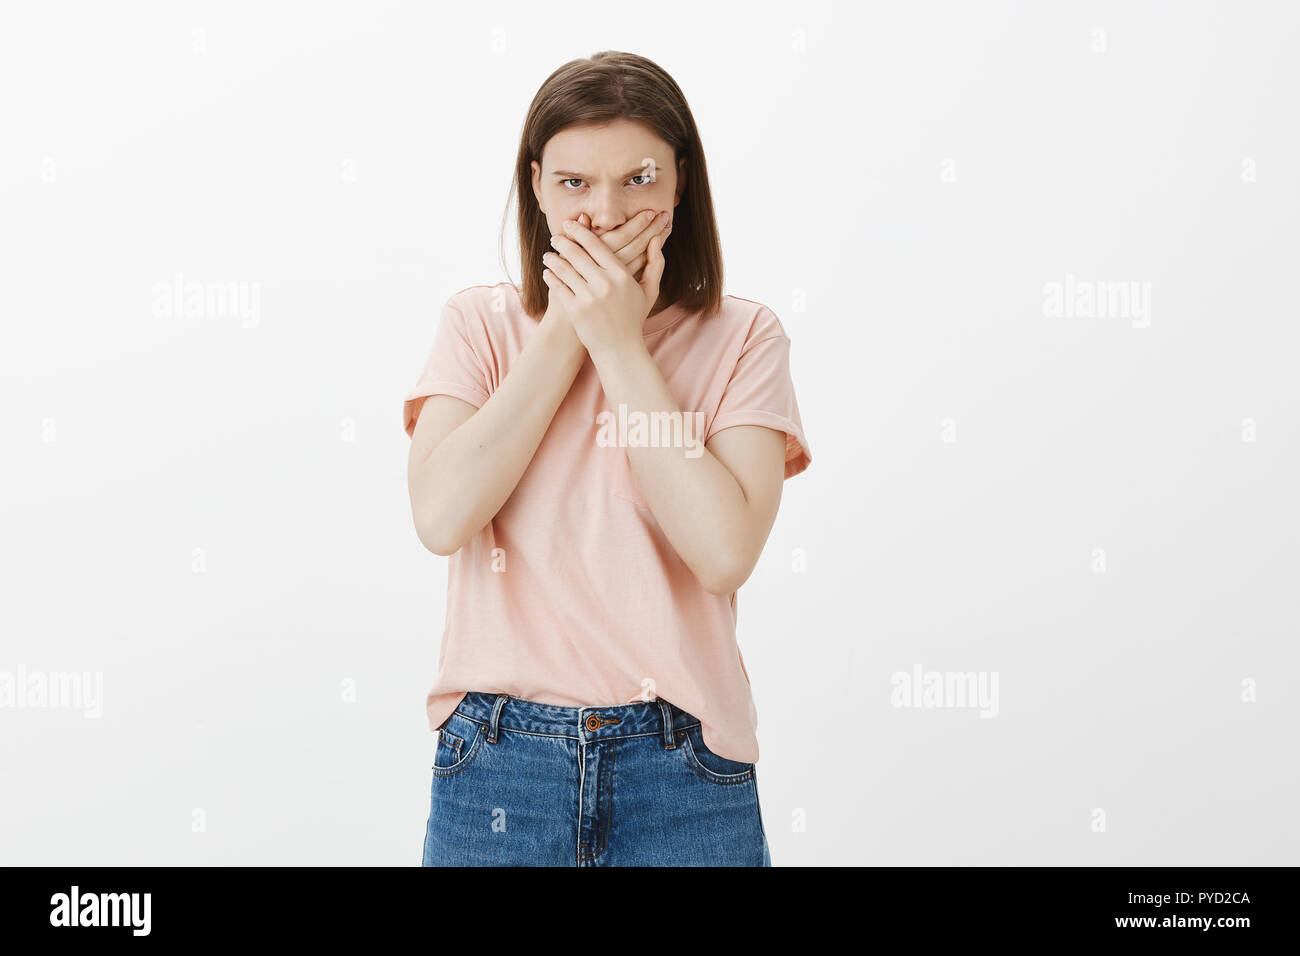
{"points": [[465, 761], [608, 809], [454, 741], [712, 776], [501, 728], [762, 830]]}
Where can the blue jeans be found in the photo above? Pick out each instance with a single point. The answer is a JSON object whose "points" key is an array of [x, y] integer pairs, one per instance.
{"points": [[521, 783]]}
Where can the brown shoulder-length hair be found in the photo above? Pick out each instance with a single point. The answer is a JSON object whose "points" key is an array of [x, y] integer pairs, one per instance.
{"points": [[604, 87]]}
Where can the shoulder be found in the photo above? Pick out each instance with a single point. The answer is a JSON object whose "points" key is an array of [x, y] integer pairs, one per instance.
{"points": [[479, 301], [494, 310], [753, 320]]}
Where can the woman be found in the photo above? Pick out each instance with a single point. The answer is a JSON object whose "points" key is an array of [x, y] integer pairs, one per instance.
{"points": [[601, 453]]}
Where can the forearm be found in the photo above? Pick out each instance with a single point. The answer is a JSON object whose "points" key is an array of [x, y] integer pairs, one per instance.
{"points": [[698, 503], [467, 476]]}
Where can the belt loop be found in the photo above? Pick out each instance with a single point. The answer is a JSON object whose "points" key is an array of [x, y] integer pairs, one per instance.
{"points": [[496, 717], [669, 743]]}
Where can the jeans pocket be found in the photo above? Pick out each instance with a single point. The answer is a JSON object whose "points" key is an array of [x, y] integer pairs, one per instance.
{"points": [[713, 767], [458, 742], [449, 749]]}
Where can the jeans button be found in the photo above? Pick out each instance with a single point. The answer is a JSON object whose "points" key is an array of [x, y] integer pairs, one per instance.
{"points": [[593, 722]]}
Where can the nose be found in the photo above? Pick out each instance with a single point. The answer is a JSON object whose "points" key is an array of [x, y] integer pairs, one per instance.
{"points": [[606, 209]]}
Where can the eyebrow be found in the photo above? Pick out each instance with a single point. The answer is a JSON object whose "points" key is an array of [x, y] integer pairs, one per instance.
{"points": [[635, 171]]}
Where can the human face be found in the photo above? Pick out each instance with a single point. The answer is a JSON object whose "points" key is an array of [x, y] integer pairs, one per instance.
{"points": [[611, 172]]}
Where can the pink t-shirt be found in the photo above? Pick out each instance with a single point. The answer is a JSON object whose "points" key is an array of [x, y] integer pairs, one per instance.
{"points": [[572, 594]]}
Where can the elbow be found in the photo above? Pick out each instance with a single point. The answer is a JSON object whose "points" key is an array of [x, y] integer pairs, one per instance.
{"points": [[444, 546], [725, 576], [439, 536]]}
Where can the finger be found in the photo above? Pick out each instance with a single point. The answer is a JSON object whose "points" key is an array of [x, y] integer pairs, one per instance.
{"points": [[622, 238], [661, 222], [641, 241], [600, 253], [565, 272], [654, 269], [557, 288], [556, 284], [577, 257], [638, 263], [583, 219], [627, 240]]}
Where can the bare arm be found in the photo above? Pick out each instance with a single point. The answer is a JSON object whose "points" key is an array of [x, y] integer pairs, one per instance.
{"points": [[465, 462], [716, 509]]}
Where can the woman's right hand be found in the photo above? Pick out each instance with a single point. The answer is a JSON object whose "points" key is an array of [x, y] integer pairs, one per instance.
{"points": [[630, 240]]}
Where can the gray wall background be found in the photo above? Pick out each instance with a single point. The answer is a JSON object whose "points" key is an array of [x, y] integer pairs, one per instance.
{"points": [[1092, 503]]}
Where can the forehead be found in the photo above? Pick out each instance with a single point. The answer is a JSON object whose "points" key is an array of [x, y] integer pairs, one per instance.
{"points": [[612, 147]]}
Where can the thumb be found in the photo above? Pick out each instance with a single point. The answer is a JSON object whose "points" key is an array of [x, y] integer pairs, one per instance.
{"points": [[654, 269]]}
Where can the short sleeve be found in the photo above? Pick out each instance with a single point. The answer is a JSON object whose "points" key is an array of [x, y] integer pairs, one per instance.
{"points": [[761, 392], [453, 368]]}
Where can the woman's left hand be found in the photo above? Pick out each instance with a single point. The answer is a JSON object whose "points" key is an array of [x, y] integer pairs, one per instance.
{"points": [[604, 301]]}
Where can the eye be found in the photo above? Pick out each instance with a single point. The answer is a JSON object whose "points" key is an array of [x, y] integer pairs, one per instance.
{"points": [[649, 180]]}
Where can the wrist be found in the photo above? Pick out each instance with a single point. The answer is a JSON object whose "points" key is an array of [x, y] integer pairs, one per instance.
{"points": [[620, 354], [556, 332]]}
